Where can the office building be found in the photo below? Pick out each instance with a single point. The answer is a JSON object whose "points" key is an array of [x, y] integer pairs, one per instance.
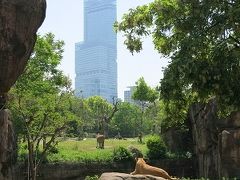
{"points": [[95, 57], [128, 95]]}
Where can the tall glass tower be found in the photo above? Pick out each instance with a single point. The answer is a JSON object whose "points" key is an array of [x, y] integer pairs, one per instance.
{"points": [[95, 57]]}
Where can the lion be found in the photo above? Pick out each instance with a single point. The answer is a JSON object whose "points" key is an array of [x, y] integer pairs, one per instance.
{"points": [[143, 168], [100, 140]]}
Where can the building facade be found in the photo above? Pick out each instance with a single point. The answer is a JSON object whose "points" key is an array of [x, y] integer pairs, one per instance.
{"points": [[96, 56], [128, 95]]}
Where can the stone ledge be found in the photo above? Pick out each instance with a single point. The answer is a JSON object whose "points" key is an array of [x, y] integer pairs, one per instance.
{"points": [[124, 176]]}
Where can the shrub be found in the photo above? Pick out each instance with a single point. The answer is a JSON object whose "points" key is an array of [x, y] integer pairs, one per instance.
{"points": [[135, 152], [121, 154], [156, 147], [53, 150]]}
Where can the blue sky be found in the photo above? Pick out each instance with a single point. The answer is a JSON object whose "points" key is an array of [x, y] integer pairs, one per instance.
{"points": [[64, 18]]}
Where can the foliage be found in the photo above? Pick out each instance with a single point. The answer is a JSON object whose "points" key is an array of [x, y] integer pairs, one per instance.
{"points": [[40, 100], [135, 152], [154, 116], [122, 154], [174, 115], [202, 40], [99, 108], [125, 120], [102, 112], [156, 147], [144, 94], [81, 109]]}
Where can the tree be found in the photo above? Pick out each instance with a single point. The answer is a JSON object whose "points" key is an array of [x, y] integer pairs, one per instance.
{"points": [[85, 123], [125, 120], [144, 94], [155, 117], [202, 40], [102, 111], [41, 100]]}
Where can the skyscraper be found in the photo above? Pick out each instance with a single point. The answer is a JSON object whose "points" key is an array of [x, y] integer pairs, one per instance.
{"points": [[128, 95], [95, 57]]}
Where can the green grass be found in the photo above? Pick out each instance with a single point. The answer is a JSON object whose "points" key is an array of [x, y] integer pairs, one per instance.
{"points": [[85, 151]]}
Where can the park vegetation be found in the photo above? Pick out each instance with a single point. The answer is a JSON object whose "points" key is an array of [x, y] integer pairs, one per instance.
{"points": [[46, 113], [201, 39]]}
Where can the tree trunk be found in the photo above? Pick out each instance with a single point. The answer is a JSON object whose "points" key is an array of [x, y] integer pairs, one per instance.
{"points": [[31, 160], [105, 129], [19, 22], [44, 140]]}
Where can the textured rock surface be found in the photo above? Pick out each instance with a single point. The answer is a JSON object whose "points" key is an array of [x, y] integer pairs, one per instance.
{"points": [[123, 176], [229, 145], [217, 142], [19, 22], [7, 144], [203, 119]]}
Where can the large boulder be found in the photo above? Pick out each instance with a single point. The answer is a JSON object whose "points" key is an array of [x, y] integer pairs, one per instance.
{"points": [[229, 146], [203, 118], [19, 22], [123, 176], [216, 141]]}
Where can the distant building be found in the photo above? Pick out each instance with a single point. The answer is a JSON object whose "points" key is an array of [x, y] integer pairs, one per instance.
{"points": [[128, 95], [95, 57]]}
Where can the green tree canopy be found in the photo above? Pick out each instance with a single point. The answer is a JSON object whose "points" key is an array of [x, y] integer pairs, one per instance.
{"points": [[202, 38], [125, 120], [143, 92], [42, 89], [41, 100], [102, 112]]}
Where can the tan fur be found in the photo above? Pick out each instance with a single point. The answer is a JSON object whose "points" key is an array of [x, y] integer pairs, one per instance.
{"points": [[143, 168], [100, 141]]}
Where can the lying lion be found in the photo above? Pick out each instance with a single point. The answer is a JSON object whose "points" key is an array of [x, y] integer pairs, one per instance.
{"points": [[143, 168]]}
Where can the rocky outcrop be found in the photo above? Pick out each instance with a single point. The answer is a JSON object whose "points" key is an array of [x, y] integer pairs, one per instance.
{"points": [[19, 22], [229, 146], [123, 176], [216, 142], [7, 145], [203, 119]]}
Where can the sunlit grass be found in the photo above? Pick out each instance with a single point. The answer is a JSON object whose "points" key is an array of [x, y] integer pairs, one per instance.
{"points": [[72, 150], [86, 151]]}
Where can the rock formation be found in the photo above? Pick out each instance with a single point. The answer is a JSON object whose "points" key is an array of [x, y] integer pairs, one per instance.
{"points": [[216, 142], [204, 131], [19, 22], [229, 146], [123, 176]]}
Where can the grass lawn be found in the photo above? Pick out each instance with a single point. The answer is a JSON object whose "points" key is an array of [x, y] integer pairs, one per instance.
{"points": [[86, 151]]}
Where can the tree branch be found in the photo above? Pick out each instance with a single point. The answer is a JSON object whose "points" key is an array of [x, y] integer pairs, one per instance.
{"points": [[49, 143]]}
